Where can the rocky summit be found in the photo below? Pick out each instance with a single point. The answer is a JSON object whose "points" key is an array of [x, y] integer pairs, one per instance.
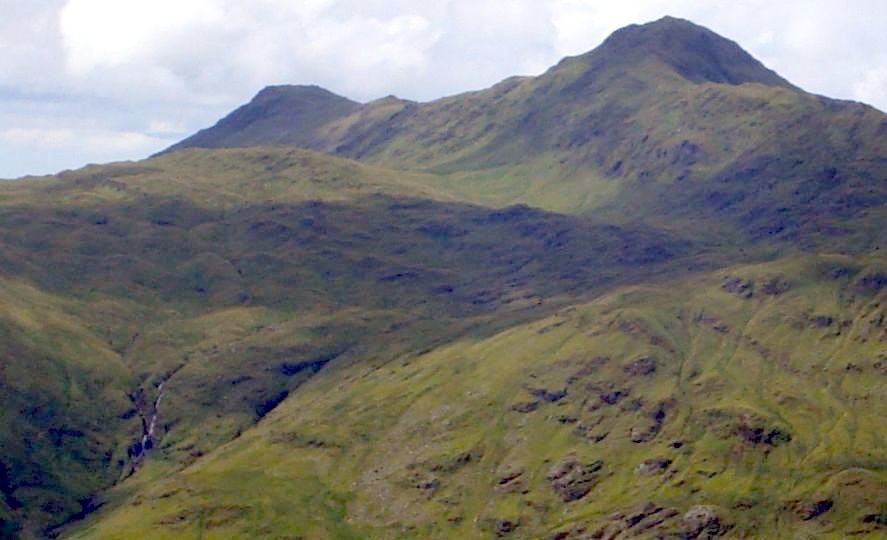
{"points": [[640, 295]]}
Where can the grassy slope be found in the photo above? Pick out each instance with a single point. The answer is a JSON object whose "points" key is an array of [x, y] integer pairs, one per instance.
{"points": [[222, 270], [61, 389], [682, 159], [431, 446], [232, 276], [99, 305], [190, 236], [648, 144]]}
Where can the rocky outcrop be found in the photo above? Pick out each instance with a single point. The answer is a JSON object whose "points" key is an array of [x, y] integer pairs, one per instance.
{"points": [[702, 521], [808, 510], [650, 467], [550, 396], [738, 287], [649, 430], [640, 367], [751, 428], [525, 406], [505, 527], [648, 520], [572, 479], [511, 481]]}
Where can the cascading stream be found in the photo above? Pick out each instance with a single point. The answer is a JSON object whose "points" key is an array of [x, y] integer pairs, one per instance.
{"points": [[148, 435], [140, 448]]}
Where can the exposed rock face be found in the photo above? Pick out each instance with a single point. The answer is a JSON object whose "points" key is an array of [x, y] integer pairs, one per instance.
{"points": [[505, 527], [750, 428], [525, 406], [808, 510], [639, 434], [640, 367], [873, 282], [551, 396], [879, 520], [775, 285], [511, 481], [612, 398], [738, 287], [647, 520], [760, 435], [572, 480]]}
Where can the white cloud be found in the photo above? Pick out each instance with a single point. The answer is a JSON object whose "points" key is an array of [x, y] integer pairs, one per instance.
{"points": [[48, 150], [30, 46], [216, 50], [88, 140], [110, 33], [166, 127]]}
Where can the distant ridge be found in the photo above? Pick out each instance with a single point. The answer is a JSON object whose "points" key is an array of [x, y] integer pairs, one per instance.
{"points": [[296, 115], [664, 118]]}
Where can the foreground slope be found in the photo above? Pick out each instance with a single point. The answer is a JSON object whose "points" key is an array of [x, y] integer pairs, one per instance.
{"points": [[744, 402], [229, 277]]}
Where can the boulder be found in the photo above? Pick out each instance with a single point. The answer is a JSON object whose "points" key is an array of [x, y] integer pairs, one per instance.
{"points": [[701, 521]]}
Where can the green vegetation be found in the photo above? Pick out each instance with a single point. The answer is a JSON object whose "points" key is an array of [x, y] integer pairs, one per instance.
{"points": [[162, 271], [641, 294], [769, 403]]}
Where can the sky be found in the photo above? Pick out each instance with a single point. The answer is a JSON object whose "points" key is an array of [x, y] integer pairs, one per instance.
{"points": [[93, 81]]}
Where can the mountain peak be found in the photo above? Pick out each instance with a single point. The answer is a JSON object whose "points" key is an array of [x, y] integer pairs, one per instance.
{"points": [[693, 51], [281, 114], [295, 91]]}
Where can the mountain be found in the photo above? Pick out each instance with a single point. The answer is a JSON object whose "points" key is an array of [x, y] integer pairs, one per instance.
{"points": [[641, 295], [293, 115], [666, 112]]}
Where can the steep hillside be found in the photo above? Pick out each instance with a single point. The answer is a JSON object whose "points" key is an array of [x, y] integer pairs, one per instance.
{"points": [[230, 277], [62, 392], [745, 402]]}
